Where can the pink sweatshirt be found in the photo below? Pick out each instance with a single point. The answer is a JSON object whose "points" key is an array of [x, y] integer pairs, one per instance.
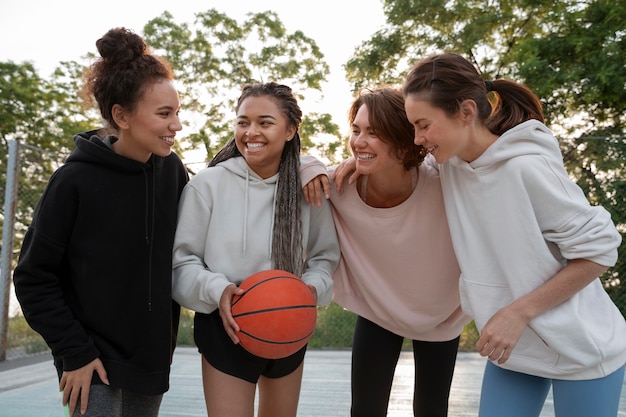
{"points": [[397, 266]]}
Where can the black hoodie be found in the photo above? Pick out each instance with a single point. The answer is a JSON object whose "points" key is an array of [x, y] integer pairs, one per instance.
{"points": [[94, 274]]}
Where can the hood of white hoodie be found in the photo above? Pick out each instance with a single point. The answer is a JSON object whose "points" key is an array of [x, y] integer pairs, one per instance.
{"points": [[529, 138]]}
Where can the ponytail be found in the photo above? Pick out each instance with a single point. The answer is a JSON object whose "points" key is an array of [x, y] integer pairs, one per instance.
{"points": [[446, 80]]}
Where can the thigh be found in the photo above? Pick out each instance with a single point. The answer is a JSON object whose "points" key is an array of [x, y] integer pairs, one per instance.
{"points": [[226, 395], [134, 404], [375, 353], [280, 396], [595, 397], [104, 401], [507, 393], [278, 368], [219, 350], [434, 369]]}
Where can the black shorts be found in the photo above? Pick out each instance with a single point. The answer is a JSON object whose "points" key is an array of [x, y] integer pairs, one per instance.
{"points": [[219, 350]]}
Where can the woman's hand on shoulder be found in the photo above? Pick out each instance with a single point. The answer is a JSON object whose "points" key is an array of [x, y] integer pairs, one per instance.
{"points": [[346, 169], [316, 189]]}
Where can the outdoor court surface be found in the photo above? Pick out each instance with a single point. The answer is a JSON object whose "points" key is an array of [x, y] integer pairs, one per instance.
{"points": [[28, 387]]}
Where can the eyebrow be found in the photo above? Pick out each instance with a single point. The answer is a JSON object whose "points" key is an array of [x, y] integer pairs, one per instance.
{"points": [[367, 128], [166, 107], [263, 116]]}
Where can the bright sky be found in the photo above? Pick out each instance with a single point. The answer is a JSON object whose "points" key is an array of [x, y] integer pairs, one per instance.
{"points": [[47, 32]]}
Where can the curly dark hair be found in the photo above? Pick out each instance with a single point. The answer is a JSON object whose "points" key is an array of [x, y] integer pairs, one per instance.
{"points": [[121, 75]]}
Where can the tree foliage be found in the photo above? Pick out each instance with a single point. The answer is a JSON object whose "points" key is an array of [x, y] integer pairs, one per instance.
{"points": [[571, 53], [42, 115], [215, 56], [212, 58]]}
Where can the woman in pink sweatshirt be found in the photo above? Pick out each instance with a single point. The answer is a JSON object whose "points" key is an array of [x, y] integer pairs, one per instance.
{"points": [[398, 271]]}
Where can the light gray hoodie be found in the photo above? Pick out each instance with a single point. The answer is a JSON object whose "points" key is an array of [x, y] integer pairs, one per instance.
{"points": [[224, 235], [515, 218]]}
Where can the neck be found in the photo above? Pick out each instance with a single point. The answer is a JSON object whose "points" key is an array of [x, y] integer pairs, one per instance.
{"points": [[387, 190], [478, 145]]}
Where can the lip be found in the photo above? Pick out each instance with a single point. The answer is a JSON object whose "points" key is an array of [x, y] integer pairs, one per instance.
{"points": [[168, 139], [252, 147], [365, 156]]}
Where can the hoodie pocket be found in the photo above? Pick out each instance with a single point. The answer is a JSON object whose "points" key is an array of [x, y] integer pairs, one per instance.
{"points": [[481, 301]]}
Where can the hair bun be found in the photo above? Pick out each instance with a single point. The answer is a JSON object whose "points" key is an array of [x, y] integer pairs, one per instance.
{"points": [[120, 46]]}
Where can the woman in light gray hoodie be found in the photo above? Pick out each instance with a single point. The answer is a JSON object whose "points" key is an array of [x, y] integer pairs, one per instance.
{"points": [[243, 214]]}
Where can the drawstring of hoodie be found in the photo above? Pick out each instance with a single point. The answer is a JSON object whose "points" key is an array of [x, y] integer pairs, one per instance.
{"points": [[149, 226], [245, 214], [145, 216], [269, 255]]}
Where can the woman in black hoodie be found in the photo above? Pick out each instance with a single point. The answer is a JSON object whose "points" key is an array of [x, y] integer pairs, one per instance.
{"points": [[94, 274]]}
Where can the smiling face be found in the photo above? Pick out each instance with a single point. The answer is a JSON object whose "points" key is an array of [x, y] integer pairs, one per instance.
{"points": [[152, 127], [441, 135], [372, 154], [261, 132]]}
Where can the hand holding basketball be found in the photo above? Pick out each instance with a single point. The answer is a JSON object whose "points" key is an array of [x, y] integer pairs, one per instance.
{"points": [[230, 325], [276, 314]]}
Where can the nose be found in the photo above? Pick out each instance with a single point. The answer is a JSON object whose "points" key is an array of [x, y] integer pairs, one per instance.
{"points": [[251, 130], [357, 140], [419, 139], [176, 125]]}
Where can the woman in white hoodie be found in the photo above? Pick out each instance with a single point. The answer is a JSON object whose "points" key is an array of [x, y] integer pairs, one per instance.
{"points": [[529, 244], [243, 214]]}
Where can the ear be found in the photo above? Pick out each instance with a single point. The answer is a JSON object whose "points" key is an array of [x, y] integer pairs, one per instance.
{"points": [[291, 131], [468, 111], [120, 116]]}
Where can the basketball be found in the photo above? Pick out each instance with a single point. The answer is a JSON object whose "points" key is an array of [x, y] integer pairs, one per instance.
{"points": [[276, 314]]}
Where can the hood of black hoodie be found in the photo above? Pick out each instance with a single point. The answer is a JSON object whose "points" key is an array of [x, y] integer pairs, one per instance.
{"points": [[90, 148]]}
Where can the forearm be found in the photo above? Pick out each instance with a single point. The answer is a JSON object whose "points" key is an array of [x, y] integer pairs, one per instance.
{"points": [[576, 275]]}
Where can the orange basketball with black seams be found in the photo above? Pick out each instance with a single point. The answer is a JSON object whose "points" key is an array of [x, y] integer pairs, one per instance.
{"points": [[276, 314]]}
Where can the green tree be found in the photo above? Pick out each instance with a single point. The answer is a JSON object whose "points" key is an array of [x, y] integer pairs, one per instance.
{"points": [[571, 53], [42, 115], [215, 56]]}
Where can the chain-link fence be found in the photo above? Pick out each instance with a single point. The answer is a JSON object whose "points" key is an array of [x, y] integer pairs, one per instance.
{"points": [[335, 325]]}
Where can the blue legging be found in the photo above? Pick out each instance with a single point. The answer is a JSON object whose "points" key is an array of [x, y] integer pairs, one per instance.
{"points": [[375, 353], [513, 394]]}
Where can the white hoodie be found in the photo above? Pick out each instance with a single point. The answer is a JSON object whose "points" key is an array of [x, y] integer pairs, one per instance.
{"points": [[224, 234], [515, 219]]}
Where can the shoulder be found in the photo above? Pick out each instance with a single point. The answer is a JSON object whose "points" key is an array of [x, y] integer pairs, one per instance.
{"points": [[429, 171], [72, 173], [211, 180], [210, 173]]}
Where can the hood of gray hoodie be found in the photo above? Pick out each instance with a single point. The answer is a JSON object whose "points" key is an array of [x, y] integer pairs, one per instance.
{"points": [[241, 169]]}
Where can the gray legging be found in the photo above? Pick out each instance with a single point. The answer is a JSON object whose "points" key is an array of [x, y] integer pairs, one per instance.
{"points": [[105, 401], [375, 353]]}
